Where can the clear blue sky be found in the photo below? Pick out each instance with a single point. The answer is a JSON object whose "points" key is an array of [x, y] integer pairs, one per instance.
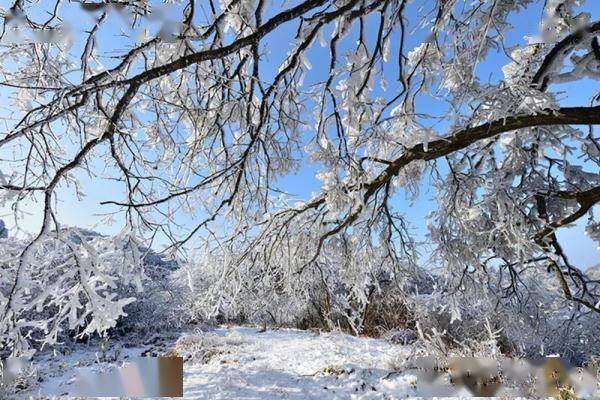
{"points": [[84, 213]]}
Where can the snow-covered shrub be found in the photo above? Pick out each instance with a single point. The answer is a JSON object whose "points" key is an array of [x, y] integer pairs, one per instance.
{"points": [[158, 306], [120, 270], [354, 293], [534, 322], [385, 312], [64, 281], [210, 289], [402, 336]]}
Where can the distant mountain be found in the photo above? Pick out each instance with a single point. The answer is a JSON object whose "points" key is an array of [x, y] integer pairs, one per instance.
{"points": [[151, 258]]}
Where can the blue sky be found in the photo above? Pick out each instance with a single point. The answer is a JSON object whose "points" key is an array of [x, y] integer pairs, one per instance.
{"points": [[86, 212]]}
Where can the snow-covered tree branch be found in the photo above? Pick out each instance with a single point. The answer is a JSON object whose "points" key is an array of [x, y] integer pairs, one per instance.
{"points": [[196, 111]]}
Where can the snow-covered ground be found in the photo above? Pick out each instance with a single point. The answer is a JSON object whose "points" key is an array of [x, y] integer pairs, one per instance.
{"points": [[248, 363], [295, 364]]}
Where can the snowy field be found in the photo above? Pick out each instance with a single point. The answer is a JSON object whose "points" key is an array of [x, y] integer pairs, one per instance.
{"points": [[248, 363], [296, 364]]}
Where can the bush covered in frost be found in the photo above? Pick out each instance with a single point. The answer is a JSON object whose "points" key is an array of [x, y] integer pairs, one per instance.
{"points": [[96, 281]]}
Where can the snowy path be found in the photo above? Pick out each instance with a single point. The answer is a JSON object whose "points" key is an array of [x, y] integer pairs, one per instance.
{"points": [[245, 363], [293, 364]]}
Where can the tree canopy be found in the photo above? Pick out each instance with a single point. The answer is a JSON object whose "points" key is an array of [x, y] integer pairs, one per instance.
{"points": [[200, 108]]}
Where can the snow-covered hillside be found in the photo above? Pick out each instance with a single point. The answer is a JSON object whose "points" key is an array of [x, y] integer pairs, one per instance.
{"points": [[248, 363]]}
